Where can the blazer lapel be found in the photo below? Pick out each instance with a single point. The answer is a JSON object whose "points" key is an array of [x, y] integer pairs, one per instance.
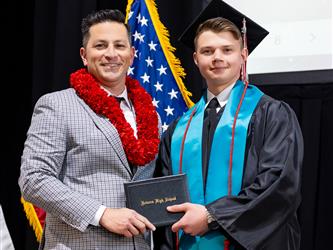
{"points": [[110, 133]]}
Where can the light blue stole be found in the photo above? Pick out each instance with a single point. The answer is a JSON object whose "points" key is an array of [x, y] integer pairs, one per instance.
{"points": [[217, 176]]}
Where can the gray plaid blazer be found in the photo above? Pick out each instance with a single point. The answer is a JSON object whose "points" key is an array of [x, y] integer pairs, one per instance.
{"points": [[73, 162]]}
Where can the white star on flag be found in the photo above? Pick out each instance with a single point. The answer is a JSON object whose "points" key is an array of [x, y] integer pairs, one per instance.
{"points": [[149, 62], [169, 110], [143, 21], [136, 35], [173, 94], [152, 45], [155, 102], [136, 53], [145, 77], [162, 70], [138, 17], [130, 71], [158, 86], [141, 38], [130, 14]]}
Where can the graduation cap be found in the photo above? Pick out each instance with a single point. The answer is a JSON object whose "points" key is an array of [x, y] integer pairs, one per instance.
{"points": [[217, 8]]}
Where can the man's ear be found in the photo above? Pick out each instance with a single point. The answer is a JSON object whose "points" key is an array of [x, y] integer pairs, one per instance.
{"points": [[83, 55], [132, 54]]}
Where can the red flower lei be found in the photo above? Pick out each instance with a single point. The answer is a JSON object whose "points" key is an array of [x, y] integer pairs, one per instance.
{"points": [[139, 151]]}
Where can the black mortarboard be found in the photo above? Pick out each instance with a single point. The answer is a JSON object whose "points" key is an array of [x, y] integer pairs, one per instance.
{"points": [[217, 8]]}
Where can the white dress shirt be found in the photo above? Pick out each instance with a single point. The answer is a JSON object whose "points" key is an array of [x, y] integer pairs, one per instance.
{"points": [[127, 108], [129, 113]]}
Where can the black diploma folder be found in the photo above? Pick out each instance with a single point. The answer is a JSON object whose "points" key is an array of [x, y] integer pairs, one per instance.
{"points": [[150, 197]]}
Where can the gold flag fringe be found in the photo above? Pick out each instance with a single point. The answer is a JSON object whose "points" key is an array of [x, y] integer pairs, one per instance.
{"points": [[32, 218], [163, 36]]}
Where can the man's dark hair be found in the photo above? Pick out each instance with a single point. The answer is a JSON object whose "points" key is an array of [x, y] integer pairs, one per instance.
{"points": [[100, 17]]}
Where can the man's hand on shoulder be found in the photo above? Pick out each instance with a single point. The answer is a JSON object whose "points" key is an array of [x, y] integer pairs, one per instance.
{"points": [[125, 221]]}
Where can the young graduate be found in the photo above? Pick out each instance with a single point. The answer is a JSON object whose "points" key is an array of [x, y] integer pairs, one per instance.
{"points": [[242, 150]]}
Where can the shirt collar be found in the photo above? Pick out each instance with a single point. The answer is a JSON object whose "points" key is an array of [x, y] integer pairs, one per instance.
{"points": [[222, 97], [123, 94]]}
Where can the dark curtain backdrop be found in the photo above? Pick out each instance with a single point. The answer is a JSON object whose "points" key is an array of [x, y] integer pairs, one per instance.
{"points": [[40, 48]]}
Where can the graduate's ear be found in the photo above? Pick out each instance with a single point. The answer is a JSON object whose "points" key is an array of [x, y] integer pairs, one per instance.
{"points": [[245, 54], [195, 58]]}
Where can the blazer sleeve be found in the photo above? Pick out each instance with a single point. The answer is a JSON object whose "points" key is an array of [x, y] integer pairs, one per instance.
{"points": [[42, 163]]}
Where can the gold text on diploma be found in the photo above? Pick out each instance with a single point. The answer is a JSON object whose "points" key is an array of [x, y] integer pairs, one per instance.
{"points": [[158, 201]]}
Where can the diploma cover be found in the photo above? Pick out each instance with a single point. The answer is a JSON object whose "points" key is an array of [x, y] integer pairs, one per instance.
{"points": [[150, 197]]}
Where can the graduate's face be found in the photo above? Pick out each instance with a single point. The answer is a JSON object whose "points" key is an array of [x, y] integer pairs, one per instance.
{"points": [[219, 58], [108, 53]]}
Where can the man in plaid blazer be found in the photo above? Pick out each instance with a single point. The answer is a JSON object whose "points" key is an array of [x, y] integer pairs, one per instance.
{"points": [[86, 141]]}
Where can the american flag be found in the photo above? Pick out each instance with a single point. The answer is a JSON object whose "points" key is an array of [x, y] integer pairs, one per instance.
{"points": [[154, 65]]}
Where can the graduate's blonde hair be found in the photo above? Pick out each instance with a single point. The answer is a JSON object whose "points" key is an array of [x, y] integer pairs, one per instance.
{"points": [[217, 25]]}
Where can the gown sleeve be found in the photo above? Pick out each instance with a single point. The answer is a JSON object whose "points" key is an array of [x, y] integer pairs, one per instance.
{"points": [[270, 193]]}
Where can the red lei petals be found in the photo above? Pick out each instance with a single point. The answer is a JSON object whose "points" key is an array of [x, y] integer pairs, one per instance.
{"points": [[139, 151]]}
